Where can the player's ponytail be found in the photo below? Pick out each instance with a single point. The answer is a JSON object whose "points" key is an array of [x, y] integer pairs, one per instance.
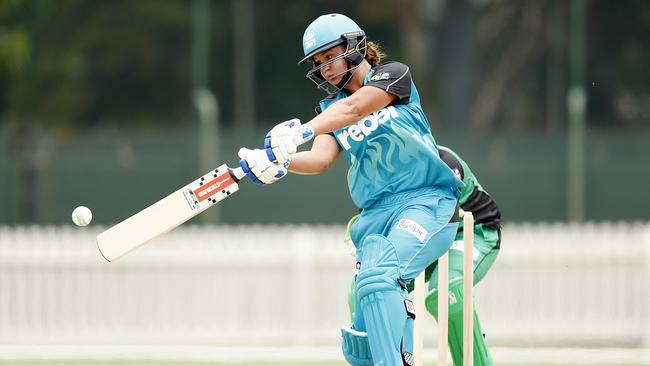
{"points": [[374, 53]]}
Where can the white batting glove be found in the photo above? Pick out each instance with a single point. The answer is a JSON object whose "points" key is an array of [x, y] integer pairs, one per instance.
{"points": [[283, 140], [259, 168]]}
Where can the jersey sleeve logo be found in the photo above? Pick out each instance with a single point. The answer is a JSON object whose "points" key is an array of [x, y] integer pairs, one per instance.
{"points": [[380, 76]]}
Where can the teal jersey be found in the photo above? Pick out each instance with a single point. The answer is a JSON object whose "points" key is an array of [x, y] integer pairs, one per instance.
{"points": [[392, 150]]}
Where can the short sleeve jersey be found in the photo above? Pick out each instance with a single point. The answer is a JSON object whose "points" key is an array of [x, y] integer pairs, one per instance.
{"points": [[392, 150]]}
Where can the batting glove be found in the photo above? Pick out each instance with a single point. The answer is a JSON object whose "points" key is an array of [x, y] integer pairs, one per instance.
{"points": [[258, 167], [283, 140]]}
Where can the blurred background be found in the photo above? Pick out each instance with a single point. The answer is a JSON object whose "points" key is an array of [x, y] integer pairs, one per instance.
{"points": [[115, 104]]}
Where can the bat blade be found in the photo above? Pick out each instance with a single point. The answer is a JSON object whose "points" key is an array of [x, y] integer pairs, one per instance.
{"points": [[168, 213]]}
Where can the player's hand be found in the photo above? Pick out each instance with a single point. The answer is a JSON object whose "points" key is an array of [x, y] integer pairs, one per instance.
{"points": [[259, 168], [283, 140]]}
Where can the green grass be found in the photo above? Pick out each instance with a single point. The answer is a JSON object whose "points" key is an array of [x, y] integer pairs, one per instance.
{"points": [[145, 363]]}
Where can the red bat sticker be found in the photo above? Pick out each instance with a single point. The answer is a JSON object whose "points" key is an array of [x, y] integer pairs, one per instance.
{"points": [[207, 189]]}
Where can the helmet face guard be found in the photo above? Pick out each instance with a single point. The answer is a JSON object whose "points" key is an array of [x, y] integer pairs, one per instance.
{"points": [[355, 52]]}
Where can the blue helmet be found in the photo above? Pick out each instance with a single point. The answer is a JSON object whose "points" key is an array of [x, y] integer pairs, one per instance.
{"points": [[328, 31]]}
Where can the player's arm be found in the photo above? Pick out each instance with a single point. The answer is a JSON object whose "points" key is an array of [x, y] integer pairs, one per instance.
{"points": [[282, 141], [366, 100], [319, 159], [390, 84]]}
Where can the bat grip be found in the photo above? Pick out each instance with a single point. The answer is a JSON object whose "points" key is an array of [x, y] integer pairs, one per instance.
{"points": [[237, 173]]}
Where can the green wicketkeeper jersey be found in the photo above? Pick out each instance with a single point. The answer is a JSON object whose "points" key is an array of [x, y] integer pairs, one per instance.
{"points": [[473, 197]]}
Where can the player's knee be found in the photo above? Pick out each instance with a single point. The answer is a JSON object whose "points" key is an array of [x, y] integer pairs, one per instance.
{"points": [[375, 280], [387, 310], [379, 267]]}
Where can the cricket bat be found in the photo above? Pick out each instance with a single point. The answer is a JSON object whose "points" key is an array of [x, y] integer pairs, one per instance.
{"points": [[168, 213]]}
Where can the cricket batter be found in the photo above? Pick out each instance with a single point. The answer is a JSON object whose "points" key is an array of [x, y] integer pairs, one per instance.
{"points": [[487, 241], [408, 195]]}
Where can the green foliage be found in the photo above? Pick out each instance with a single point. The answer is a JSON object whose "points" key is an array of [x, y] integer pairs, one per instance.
{"points": [[89, 62], [124, 62], [14, 50]]}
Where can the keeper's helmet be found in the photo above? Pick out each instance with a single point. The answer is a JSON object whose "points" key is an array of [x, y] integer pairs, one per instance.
{"points": [[329, 31]]}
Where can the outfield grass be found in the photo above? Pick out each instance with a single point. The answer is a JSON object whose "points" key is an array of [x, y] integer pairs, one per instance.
{"points": [[144, 363]]}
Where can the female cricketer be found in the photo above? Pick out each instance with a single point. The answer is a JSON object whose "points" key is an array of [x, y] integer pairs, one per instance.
{"points": [[487, 242], [408, 195]]}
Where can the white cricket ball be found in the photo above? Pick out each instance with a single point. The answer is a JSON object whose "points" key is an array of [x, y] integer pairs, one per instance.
{"points": [[81, 216]]}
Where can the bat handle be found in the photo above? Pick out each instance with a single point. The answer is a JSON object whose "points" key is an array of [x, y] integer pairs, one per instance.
{"points": [[238, 173]]}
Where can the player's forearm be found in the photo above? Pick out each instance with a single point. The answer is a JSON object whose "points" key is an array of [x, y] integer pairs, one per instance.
{"points": [[308, 163], [340, 114], [349, 110]]}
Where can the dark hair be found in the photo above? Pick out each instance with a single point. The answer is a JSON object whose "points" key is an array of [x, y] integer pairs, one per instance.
{"points": [[374, 53]]}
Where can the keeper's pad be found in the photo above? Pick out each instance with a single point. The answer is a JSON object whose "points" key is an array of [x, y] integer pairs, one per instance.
{"points": [[386, 308], [351, 297], [455, 336], [355, 347]]}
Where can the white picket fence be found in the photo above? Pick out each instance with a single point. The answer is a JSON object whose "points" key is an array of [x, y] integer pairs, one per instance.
{"points": [[552, 285]]}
